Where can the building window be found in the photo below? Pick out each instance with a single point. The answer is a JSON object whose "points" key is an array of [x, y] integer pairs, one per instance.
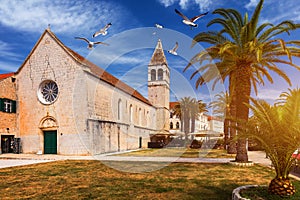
{"points": [[47, 92], [177, 125], [153, 75], [130, 113], [160, 75], [171, 125], [119, 109], [7, 105], [140, 116]]}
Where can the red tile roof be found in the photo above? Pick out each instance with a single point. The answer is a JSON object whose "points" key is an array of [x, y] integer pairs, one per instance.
{"points": [[3, 76], [96, 70], [173, 104]]}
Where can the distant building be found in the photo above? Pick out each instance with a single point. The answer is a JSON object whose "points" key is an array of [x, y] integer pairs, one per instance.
{"points": [[204, 122], [60, 103]]}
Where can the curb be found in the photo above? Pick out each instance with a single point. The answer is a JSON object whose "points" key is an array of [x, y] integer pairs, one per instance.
{"points": [[236, 192]]}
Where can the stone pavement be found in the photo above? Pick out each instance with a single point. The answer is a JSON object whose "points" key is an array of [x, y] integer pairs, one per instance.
{"points": [[12, 160], [9, 160]]}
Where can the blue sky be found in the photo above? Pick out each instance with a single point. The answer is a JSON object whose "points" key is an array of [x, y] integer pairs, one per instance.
{"points": [[132, 36]]}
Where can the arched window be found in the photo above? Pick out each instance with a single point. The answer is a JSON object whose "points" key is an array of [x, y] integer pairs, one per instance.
{"points": [[160, 75], [171, 125], [153, 75], [130, 113], [177, 125], [119, 109]]}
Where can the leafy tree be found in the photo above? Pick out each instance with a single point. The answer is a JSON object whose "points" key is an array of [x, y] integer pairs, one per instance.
{"points": [[221, 108], [188, 110], [277, 127], [244, 52]]}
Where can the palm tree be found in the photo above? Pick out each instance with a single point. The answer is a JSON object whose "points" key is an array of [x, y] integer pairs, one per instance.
{"points": [[188, 110], [278, 129], [221, 108], [244, 52]]}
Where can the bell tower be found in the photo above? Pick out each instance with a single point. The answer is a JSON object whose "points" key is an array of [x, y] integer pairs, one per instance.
{"points": [[159, 87]]}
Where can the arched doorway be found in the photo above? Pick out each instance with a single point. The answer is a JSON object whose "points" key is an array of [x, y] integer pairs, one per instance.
{"points": [[49, 127]]}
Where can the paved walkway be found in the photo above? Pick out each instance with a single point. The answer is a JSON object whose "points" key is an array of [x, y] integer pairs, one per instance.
{"points": [[10, 160]]}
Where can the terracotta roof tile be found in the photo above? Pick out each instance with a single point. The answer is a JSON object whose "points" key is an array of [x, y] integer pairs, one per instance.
{"points": [[173, 104], [3, 76]]}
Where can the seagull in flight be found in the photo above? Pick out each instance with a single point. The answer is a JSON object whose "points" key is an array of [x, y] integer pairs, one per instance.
{"points": [[157, 26], [90, 43], [190, 22], [102, 31], [173, 51]]}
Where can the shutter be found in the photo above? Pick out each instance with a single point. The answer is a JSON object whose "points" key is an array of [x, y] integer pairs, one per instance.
{"points": [[1, 104], [13, 106]]}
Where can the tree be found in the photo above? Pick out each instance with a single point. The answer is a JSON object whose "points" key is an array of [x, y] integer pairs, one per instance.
{"points": [[244, 52], [277, 127], [188, 110], [221, 108]]}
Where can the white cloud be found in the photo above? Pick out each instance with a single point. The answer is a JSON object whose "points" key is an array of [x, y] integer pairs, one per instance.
{"points": [[251, 4], [167, 3], [204, 4], [185, 4], [268, 94], [64, 16], [6, 51], [275, 12]]}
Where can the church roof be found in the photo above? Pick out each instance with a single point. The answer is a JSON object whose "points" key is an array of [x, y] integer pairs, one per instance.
{"points": [[94, 69], [158, 56], [3, 76]]}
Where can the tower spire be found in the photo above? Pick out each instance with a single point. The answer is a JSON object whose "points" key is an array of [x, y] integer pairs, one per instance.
{"points": [[158, 56]]}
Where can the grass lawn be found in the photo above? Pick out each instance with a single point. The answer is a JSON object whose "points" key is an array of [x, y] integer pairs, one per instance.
{"points": [[181, 152], [94, 180]]}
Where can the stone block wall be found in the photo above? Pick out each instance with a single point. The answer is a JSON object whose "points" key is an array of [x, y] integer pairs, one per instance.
{"points": [[8, 125], [49, 61]]}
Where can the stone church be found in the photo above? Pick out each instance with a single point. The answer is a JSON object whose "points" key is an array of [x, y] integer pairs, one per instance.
{"points": [[60, 103]]}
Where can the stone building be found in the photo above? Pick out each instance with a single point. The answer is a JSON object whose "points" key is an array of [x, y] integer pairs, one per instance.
{"points": [[67, 105], [8, 116]]}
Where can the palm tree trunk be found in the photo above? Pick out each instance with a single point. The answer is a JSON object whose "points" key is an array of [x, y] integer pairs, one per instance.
{"points": [[193, 123], [226, 127], [281, 186], [243, 89], [232, 121]]}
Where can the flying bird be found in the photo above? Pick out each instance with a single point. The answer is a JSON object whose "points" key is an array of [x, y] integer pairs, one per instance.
{"points": [[190, 22], [173, 51], [90, 43], [158, 26], [102, 31]]}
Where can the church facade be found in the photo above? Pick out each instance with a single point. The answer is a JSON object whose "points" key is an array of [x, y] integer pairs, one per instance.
{"points": [[60, 103]]}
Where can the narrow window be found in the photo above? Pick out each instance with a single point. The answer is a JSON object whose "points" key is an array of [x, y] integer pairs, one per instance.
{"points": [[177, 125], [171, 125], [119, 109], [130, 113], [140, 116], [160, 75], [153, 75]]}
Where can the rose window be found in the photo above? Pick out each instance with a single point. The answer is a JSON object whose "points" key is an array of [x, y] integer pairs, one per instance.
{"points": [[48, 92]]}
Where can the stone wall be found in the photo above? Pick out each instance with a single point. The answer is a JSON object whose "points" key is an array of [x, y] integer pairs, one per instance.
{"points": [[49, 61], [8, 120]]}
